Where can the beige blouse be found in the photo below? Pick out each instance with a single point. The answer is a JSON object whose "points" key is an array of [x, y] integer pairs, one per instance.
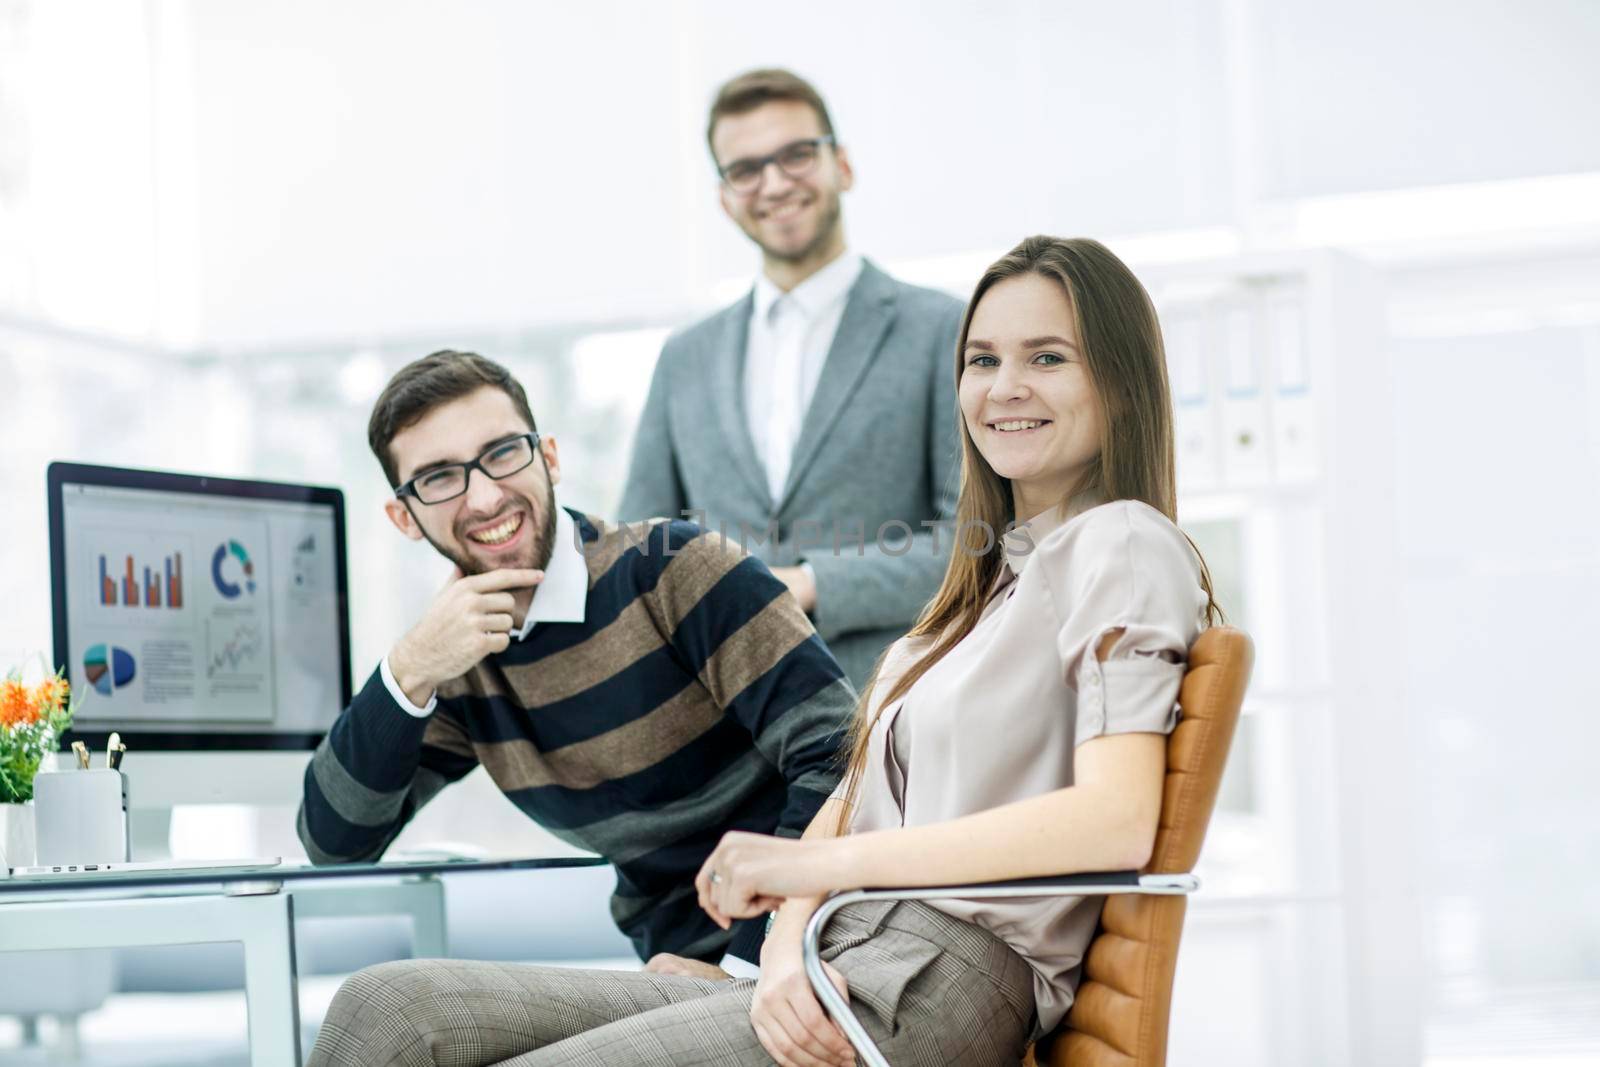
{"points": [[998, 719]]}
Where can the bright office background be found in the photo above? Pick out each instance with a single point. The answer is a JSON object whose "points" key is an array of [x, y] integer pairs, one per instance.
{"points": [[223, 224]]}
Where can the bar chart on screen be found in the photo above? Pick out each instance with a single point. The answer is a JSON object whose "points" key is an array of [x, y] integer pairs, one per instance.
{"points": [[139, 585], [141, 577]]}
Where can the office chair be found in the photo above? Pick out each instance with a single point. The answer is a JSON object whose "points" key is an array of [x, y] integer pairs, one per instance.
{"points": [[1119, 1017]]}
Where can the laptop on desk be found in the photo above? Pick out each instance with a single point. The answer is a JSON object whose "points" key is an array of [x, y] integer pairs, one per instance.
{"points": [[78, 870]]}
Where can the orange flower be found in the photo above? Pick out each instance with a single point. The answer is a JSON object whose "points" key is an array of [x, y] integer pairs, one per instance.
{"points": [[51, 694], [16, 707]]}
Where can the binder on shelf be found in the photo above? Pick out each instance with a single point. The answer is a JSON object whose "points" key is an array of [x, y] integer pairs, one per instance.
{"points": [[1246, 444], [1294, 407], [1194, 415]]}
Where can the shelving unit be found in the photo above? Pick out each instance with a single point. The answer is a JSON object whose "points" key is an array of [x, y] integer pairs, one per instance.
{"points": [[1283, 413]]}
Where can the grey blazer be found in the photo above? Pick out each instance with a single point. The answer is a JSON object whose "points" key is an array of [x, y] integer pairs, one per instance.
{"points": [[877, 449]]}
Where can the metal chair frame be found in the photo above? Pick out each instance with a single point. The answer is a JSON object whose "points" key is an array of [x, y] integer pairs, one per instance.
{"points": [[1072, 885]]}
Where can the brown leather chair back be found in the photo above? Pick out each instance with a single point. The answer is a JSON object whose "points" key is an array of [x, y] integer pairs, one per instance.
{"points": [[1119, 1018]]}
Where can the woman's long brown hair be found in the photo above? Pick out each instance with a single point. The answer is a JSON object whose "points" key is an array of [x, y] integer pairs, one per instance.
{"points": [[1121, 343]]}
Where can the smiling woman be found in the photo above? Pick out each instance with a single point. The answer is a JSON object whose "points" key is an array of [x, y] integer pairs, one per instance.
{"points": [[1030, 402], [1061, 376], [1049, 660]]}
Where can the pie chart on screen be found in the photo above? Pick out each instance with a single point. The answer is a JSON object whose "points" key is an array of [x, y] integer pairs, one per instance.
{"points": [[231, 558], [108, 668]]}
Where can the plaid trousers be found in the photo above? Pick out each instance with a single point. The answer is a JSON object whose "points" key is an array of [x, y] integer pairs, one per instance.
{"points": [[929, 988]]}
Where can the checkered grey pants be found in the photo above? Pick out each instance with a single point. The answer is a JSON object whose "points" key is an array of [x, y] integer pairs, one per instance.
{"points": [[929, 988]]}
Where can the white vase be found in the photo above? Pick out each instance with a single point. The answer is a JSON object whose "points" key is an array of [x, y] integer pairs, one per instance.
{"points": [[17, 844]]}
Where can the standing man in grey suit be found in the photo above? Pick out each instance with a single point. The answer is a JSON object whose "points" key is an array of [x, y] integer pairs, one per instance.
{"points": [[815, 418]]}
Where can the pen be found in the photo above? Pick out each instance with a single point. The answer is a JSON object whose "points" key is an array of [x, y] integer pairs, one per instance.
{"points": [[82, 752], [114, 758], [113, 743]]}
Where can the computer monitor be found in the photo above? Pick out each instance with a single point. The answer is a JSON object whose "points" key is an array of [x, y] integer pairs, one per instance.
{"points": [[200, 615]]}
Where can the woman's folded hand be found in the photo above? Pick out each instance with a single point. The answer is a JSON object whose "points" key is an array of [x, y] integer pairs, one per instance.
{"points": [[788, 1020], [750, 874]]}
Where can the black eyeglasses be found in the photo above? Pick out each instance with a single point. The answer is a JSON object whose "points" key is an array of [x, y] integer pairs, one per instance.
{"points": [[795, 159], [446, 482]]}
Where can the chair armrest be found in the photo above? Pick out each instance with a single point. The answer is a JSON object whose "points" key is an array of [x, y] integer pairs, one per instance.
{"points": [[1099, 883]]}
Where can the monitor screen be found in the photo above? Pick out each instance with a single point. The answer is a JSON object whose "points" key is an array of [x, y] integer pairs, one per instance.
{"points": [[194, 612]]}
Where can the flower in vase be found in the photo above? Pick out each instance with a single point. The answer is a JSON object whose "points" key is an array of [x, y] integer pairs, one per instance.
{"points": [[32, 719]]}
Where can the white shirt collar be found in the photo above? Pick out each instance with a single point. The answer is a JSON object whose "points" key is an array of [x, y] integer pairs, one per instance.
{"points": [[816, 293], [564, 593]]}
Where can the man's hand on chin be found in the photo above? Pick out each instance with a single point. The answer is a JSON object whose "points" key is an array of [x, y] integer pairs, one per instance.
{"points": [[667, 963], [469, 619]]}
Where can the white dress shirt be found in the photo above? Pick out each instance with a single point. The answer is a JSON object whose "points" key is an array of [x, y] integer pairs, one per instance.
{"points": [[790, 334], [561, 597]]}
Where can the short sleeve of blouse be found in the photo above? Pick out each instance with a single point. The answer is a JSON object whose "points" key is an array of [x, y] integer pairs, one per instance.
{"points": [[1123, 566]]}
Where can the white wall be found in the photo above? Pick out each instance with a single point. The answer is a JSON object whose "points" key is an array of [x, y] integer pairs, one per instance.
{"points": [[446, 152], [226, 173], [1370, 95]]}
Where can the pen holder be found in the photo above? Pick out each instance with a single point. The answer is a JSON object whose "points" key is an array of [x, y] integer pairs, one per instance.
{"points": [[81, 816]]}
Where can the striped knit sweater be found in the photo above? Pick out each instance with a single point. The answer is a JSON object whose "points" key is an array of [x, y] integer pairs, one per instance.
{"points": [[693, 699]]}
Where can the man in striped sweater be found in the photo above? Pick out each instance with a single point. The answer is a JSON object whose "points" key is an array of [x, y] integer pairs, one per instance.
{"points": [[638, 689]]}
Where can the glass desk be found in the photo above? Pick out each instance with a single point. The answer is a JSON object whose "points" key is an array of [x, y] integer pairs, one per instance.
{"points": [[253, 905]]}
